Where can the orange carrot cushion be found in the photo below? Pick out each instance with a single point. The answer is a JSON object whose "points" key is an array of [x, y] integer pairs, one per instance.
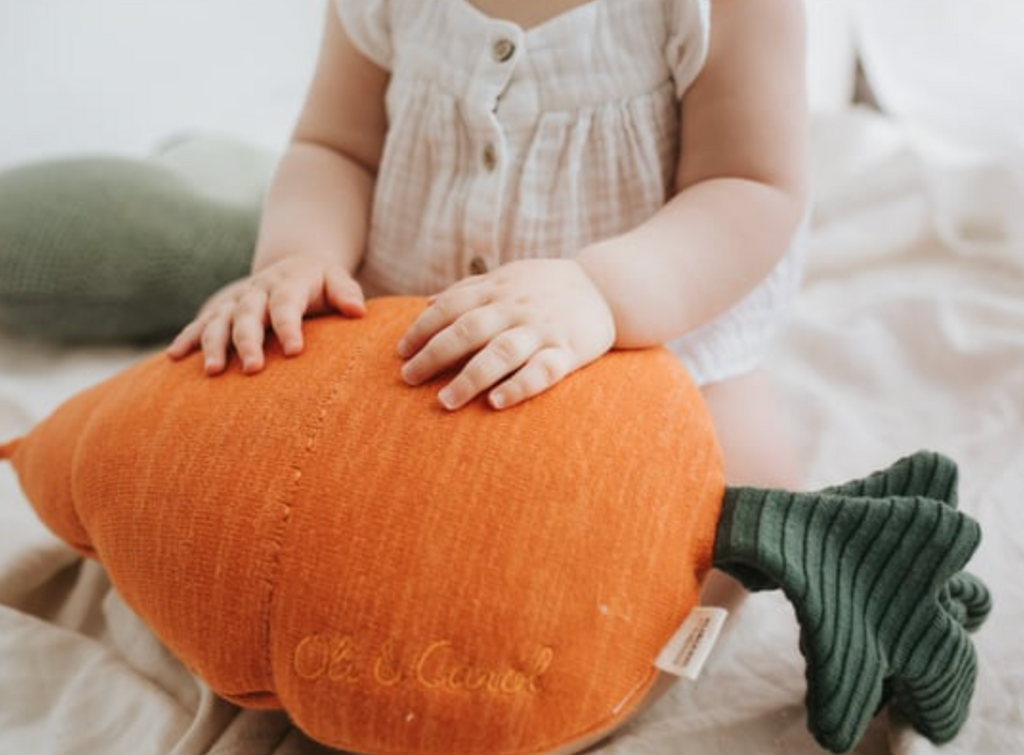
{"points": [[324, 539]]}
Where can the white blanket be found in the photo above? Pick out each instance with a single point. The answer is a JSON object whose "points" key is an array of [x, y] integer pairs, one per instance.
{"points": [[910, 334]]}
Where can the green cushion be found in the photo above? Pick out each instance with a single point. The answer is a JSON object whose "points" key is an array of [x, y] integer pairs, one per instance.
{"points": [[103, 249]]}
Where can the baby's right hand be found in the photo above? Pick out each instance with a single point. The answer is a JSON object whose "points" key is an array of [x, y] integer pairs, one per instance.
{"points": [[278, 296]]}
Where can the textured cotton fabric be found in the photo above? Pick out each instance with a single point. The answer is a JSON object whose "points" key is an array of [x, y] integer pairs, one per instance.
{"points": [[507, 143]]}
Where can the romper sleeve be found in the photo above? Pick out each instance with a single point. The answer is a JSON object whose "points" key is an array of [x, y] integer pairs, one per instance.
{"points": [[368, 25], [686, 49]]}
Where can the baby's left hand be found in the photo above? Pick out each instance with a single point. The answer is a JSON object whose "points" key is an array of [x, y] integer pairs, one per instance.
{"points": [[523, 327]]}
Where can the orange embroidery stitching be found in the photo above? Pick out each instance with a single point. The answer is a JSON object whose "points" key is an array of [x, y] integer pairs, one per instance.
{"points": [[385, 671], [437, 667], [334, 657]]}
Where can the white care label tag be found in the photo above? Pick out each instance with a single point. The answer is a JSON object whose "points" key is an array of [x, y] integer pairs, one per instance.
{"points": [[690, 646]]}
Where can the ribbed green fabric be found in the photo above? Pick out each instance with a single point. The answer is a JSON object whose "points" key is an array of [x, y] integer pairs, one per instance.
{"points": [[930, 475], [876, 585], [926, 473], [967, 600]]}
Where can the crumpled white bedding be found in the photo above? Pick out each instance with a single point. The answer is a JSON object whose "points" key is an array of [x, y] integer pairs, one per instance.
{"points": [[910, 334]]}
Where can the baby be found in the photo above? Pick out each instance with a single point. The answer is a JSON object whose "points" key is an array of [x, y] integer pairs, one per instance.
{"points": [[562, 178]]}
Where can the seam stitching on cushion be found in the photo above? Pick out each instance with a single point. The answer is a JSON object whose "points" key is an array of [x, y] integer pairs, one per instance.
{"points": [[307, 446]]}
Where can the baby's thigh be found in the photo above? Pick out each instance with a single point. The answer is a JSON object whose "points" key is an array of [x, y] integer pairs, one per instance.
{"points": [[753, 432]]}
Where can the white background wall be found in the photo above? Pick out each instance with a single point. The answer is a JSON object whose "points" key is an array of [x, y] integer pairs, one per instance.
{"points": [[953, 67], [83, 75], [120, 75]]}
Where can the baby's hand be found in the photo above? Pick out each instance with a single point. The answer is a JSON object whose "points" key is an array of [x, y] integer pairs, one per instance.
{"points": [[278, 296], [523, 327]]}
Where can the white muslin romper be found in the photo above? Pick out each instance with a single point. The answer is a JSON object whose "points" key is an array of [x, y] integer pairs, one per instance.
{"points": [[507, 143]]}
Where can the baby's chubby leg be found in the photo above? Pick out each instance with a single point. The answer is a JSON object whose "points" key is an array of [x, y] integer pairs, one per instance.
{"points": [[753, 433], [757, 449]]}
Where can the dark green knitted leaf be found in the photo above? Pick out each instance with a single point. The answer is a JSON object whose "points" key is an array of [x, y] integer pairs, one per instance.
{"points": [[878, 591], [926, 473]]}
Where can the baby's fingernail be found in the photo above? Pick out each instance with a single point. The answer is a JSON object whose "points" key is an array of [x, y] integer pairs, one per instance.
{"points": [[403, 348], [497, 400], [447, 398]]}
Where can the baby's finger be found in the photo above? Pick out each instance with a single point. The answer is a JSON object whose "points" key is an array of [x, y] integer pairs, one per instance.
{"points": [[545, 368], [344, 293], [506, 353], [443, 311], [462, 283], [465, 336], [249, 328], [214, 340], [186, 341], [286, 306]]}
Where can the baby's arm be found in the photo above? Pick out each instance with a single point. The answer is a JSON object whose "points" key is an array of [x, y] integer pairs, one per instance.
{"points": [[313, 230], [741, 183]]}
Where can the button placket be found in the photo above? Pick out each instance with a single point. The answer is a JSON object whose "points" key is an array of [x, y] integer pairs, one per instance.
{"points": [[491, 76]]}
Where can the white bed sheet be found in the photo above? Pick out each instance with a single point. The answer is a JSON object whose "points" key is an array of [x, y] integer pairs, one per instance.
{"points": [[910, 333]]}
